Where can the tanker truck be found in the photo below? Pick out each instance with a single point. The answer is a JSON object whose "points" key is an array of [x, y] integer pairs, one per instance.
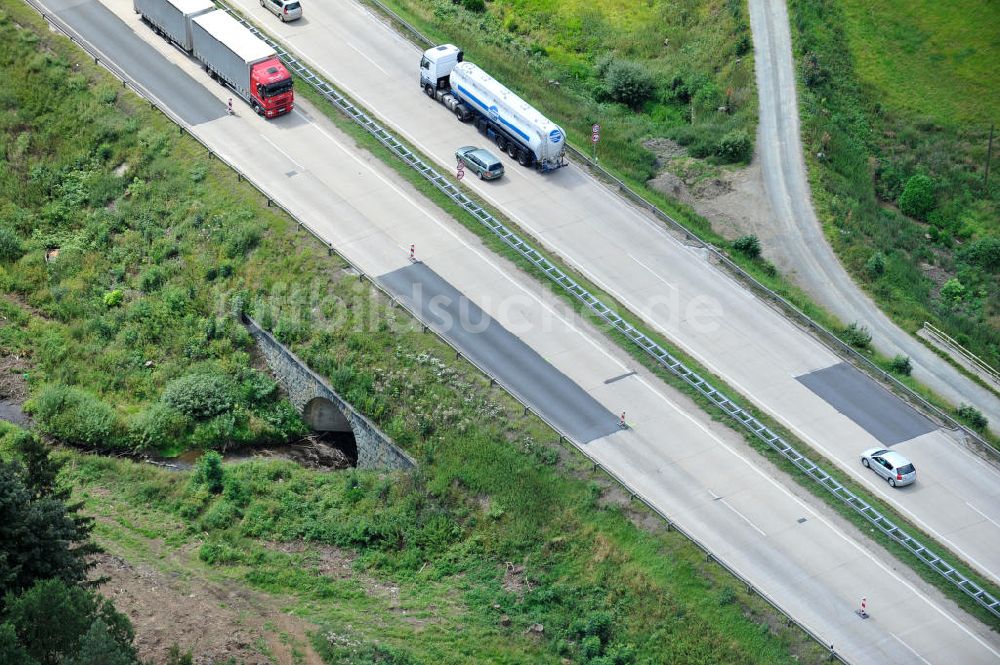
{"points": [[475, 96], [229, 52]]}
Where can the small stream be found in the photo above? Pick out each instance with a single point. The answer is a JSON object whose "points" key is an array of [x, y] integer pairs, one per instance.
{"points": [[324, 451], [11, 412]]}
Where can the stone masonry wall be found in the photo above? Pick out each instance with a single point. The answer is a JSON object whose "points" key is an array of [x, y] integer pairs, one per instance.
{"points": [[375, 449]]}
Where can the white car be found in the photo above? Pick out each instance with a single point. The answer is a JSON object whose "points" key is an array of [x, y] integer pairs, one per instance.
{"points": [[896, 469], [286, 10]]}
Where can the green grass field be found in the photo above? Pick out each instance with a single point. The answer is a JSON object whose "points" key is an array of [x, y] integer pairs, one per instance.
{"points": [[152, 258], [929, 58]]}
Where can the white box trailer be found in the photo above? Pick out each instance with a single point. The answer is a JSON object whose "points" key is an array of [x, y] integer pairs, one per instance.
{"points": [[228, 50], [172, 18]]}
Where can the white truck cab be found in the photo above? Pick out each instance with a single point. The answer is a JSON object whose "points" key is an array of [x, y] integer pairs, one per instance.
{"points": [[436, 66]]}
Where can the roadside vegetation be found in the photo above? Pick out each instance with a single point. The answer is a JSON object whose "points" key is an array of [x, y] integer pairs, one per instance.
{"points": [[507, 549], [641, 70], [897, 101]]}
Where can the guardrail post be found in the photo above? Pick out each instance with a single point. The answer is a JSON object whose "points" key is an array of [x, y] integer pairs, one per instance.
{"points": [[239, 177], [833, 654], [527, 410], [330, 251]]}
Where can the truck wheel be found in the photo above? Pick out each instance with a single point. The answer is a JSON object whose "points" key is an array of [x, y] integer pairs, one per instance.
{"points": [[429, 90], [501, 143], [257, 109], [512, 150], [261, 3], [523, 158]]}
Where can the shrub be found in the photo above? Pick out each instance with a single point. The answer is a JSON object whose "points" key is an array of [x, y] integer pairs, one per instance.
{"points": [[159, 427], [901, 365], [75, 416], [972, 416], [151, 279], [858, 336], [917, 199], [241, 241], [875, 266], [10, 245], [208, 472], [984, 253], [748, 246], [628, 83], [200, 395], [113, 298], [953, 291], [736, 146], [477, 6]]}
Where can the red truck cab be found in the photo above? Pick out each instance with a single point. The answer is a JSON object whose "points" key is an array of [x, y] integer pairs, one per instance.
{"points": [[271, 86]]}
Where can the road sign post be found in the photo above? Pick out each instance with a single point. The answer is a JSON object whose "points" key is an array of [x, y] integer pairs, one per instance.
{"points": [[461, 171], [595, 136]]}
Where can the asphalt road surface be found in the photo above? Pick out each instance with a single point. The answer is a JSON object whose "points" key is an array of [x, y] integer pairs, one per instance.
{"points": [[803, 244], [670, 285], [700, 473]]}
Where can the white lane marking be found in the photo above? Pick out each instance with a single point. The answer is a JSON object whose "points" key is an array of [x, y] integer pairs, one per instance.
{"points": [[756, 469], [447, 229], [910, 649], [363, 55], [287, 156], [653, 272], [741, 515], [982, 513], [776, 412], [673, 406]]}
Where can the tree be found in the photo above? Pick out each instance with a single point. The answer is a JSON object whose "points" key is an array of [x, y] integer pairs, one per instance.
{"points": [[953, 291], [901, 364], [917, 198], [10, 245], [52, 620], [875, 266], [11, 651], [98, 647], [40, 537], [735, 146]]}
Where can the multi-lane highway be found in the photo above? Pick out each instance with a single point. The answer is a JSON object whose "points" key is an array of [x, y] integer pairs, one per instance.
{"points": [[815, 266], [781, 368], [697, 471]]}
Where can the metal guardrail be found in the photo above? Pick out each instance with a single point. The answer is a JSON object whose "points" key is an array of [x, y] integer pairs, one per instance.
{"points": [[977, 362], [563, 436], [826, 336], [663, 357]]}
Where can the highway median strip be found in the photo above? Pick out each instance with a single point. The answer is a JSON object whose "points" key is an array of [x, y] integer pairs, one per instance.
{"points": [[984, 596]]}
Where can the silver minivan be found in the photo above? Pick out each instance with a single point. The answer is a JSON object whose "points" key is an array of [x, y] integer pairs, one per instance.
{"points": [[896, 469], [286, 10]]}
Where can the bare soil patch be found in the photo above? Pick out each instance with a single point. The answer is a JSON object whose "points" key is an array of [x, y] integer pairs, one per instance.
{"points": [[214, 621]]}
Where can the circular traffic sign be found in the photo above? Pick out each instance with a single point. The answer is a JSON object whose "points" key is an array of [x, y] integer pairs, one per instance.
{"points": [[596, 128], [595, 137]]}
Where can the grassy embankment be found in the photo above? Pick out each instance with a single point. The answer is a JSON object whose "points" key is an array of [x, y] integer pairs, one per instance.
{"points": [[899, 98], [529, 43], [490, 489]]}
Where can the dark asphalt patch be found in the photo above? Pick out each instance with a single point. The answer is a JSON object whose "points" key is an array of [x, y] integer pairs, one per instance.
{"points": [[857, 396], [186, 97], [491, 346]]}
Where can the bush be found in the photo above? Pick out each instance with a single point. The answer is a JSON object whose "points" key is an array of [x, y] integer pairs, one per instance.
{"points": [[984, 253], [972, 416], [901, 365], [628, 83], [858, 336], [736, 146], [748, 246], [477, 6], [917, 199], [241, 241], [208, 472], [875, 266], [200, 395], [151, 279], [953, 291], [10, 246], [159, 427], [75, 416], [113, 298]]}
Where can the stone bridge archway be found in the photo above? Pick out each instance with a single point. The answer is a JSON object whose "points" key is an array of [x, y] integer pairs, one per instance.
{"points": [[323, 409]]}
